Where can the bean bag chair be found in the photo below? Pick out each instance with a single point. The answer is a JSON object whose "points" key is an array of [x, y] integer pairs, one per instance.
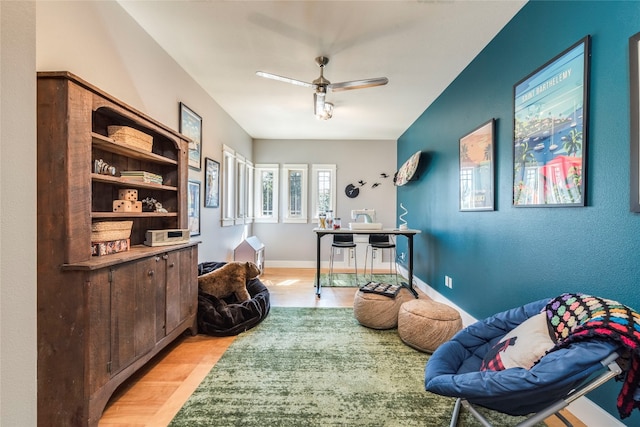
{"points": [[458, 368], [227, 317]]}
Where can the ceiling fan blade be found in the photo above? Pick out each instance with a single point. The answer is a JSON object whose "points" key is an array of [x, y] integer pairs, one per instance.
{"points": [[358, 84], [283, 79]]}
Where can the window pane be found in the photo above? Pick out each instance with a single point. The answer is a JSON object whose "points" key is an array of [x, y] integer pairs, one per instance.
{"points": [[295, 193], [267, 193], [324, 191]]}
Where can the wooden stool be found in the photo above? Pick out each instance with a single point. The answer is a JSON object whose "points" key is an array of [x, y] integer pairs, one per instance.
{"points": [[425, 324]]}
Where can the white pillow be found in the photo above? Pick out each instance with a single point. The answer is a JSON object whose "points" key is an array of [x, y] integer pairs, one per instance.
{"points": [[522, 347]]}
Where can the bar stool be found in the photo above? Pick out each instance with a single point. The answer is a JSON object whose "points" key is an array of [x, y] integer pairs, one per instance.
{"points": [[342, 241], [381, 241]]}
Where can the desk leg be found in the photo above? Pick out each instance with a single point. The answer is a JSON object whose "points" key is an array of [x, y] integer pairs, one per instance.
{"points": [[318, 237], [410, 284]]}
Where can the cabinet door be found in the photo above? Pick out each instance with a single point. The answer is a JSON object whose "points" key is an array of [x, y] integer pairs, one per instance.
{"points": [[173, 304], [132, 311], [123, 305], [182, 286], [147, 284]]}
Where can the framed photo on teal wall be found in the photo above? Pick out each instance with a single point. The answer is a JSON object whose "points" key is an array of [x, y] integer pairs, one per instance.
{"points": [[550, 131], [477, 169], [634, 87]]}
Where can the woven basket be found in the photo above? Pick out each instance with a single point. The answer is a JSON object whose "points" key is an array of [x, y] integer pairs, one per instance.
{"points": [[131, 137], [107, 231]]}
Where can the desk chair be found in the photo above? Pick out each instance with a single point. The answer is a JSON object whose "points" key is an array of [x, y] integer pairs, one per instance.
{"points": [[342, 241], [381, 241]]}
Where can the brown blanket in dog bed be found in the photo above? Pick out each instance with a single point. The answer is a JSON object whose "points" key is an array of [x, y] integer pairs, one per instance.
{"points": [[226, 317]]}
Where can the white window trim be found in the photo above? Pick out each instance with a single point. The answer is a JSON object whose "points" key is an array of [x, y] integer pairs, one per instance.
{"points": [[228, 211], [275, 169], [314, 188], [286, 215], [241, 193], [250, 189]]}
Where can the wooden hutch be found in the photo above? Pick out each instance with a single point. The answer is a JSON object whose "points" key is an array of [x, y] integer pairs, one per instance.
{"points": [[101, 318]]}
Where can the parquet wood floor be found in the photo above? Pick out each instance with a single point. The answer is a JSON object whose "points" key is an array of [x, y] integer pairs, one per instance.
{"points": [[153, 396]]}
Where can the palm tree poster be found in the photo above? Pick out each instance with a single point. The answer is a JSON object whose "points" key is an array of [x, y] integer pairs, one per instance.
{"points": [[476, 169], [550, 131]]}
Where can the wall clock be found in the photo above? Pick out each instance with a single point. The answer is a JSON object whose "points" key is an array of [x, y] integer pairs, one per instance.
{"points": [[351, 191]]}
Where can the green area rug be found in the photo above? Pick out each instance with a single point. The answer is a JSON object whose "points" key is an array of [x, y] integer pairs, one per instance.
{"points": [[348, 280], [318, 367]]}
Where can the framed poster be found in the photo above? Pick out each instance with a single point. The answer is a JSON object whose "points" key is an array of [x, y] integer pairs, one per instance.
{"points": [[477, 169], [634, 86], [193, 207], [191, 127], [211, 183], [550, 131]]}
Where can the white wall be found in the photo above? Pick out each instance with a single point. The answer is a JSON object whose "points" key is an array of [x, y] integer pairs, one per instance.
{"points": [[17, 214], [102, 44], [294, 245]]}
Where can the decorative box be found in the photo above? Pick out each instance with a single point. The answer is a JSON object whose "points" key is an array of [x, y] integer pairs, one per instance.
{"points": [[130, 136]]}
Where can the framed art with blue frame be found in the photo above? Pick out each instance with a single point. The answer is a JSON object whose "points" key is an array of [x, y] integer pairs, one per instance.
{"points": [[550, 131]]}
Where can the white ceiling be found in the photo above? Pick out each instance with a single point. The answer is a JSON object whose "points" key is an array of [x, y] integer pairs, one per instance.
{"points": [[421, 46]]}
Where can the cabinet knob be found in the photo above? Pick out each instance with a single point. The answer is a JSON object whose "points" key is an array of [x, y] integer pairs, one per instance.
{"points": [[157, 258], [165, 257], [150, 273], [171, 265]]}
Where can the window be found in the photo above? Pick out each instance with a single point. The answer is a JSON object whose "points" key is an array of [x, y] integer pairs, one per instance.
{"points": [[237, 188], [266, 192], [323, 191], [294, 190]]}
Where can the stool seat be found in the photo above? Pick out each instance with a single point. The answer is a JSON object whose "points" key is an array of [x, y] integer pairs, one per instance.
{"points": [[426, 324], [378, 311]]}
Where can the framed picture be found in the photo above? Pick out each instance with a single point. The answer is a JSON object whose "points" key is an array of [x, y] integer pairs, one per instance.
{"points": [[211, 183], [550, 131], [477, 169], [634, 86], [191, 127], [193, 207]]}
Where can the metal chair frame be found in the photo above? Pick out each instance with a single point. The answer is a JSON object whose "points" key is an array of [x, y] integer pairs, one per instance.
{"points": [[342, 241], [381, 241]]}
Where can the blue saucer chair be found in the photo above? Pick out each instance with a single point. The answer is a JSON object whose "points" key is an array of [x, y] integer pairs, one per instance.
{"points": [[556, 380]]}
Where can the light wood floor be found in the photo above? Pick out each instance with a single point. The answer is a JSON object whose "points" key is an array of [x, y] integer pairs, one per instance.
{"points": [[153, 396]]}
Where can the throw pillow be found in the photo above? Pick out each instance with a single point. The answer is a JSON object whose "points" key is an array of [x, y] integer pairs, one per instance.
{"points": [[522, 347]]}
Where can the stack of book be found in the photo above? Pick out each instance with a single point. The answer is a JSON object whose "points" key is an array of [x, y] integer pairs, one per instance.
{"points": [[142, 176]]}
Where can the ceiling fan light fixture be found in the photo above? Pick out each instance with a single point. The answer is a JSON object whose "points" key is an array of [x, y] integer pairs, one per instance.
{"points": [[326, 113]]}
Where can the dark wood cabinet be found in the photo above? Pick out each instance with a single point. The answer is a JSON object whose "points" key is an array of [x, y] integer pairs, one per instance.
{"points": [[101, 318]]}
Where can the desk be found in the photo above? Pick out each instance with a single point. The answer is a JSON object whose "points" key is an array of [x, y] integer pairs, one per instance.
{"points": [[320, 232]]}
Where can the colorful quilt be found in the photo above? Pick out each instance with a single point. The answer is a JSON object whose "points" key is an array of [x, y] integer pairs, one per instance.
{"points": [[579, 317]]}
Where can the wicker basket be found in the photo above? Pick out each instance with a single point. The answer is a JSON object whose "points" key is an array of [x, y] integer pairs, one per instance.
{"points": [[107, 231], [131, 137]]}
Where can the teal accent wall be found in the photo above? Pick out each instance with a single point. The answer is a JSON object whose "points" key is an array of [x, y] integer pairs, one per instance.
{"points": [[511, 256]]}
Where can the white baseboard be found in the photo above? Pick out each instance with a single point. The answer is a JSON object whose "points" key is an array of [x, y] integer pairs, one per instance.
{"points": [[584, 409]]}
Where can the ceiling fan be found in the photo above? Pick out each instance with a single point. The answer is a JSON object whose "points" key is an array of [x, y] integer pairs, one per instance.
{"points": [[321, 108]]}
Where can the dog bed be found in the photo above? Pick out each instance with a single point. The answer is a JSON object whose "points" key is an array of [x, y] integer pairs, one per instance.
{"points": [[226, 317]]}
